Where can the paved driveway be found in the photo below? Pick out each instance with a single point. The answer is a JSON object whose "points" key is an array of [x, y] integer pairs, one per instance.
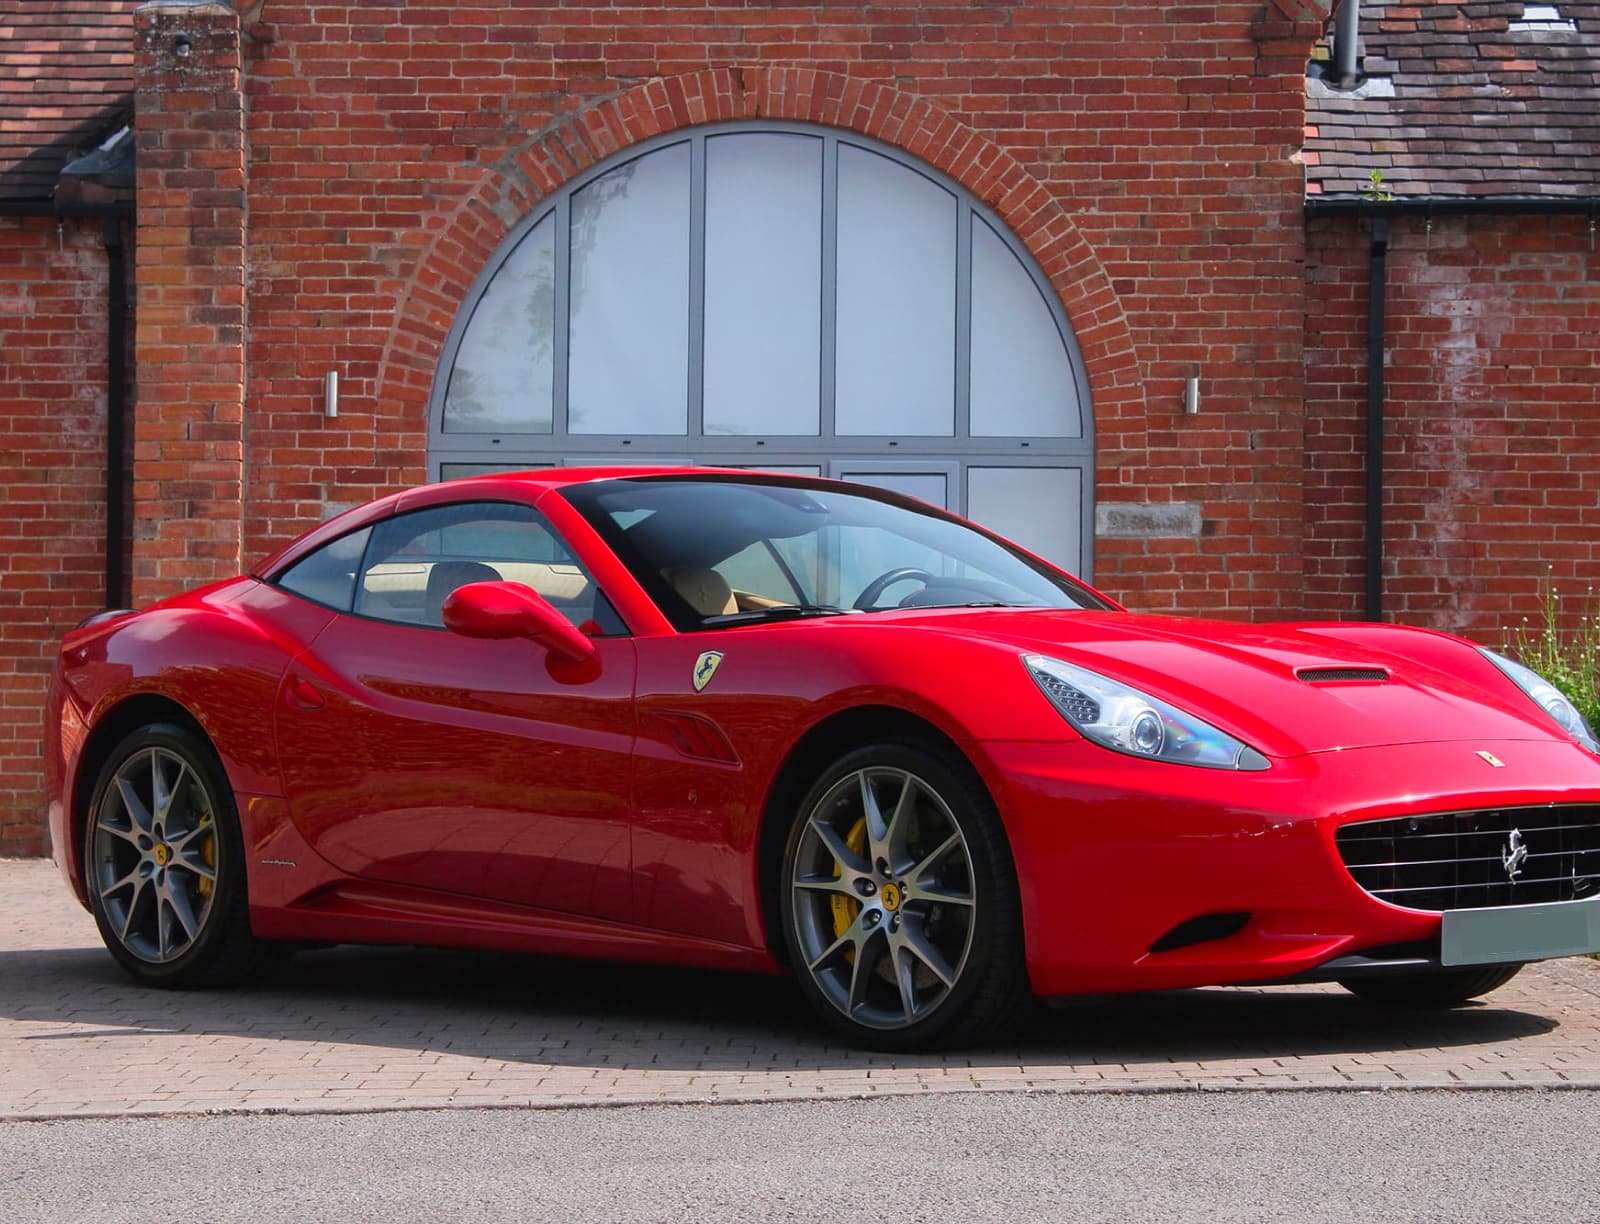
{"points": [[352, 1029]]}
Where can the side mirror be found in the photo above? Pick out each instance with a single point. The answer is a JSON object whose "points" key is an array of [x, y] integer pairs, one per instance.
{"points": [[499, 610]]}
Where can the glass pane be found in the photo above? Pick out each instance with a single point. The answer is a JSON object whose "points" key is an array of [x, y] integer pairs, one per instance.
{"points": [[896, 329], [931, 487], [1038, 507], [455, 471], [629, 349], [763, 284], [1022, 384], [328, 575], [504, 369]]}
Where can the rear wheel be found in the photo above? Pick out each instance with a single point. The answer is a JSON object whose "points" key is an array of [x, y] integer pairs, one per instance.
{"points": [[164, 863], [900, 904], [1447, 989]]}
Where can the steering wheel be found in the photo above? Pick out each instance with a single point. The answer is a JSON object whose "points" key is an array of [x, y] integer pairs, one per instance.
{"points": [[870, 593]]}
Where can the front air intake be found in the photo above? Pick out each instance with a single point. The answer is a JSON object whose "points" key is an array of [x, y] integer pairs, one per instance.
{"points": [[1470, 860]]}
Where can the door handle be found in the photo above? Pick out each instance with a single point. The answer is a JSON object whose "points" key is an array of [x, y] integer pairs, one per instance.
{"points": [[302, 694]]}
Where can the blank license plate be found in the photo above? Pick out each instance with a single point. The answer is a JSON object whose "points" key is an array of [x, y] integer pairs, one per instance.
{"points": [[1520, 932]]}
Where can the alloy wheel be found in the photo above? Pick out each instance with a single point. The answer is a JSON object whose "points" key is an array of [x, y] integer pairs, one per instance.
{"points": [[154, 855], [883, 898]]}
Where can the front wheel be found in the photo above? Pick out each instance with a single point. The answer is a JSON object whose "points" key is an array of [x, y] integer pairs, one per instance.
{"points": [[164, 863], [900, 903], [1447, 989]]}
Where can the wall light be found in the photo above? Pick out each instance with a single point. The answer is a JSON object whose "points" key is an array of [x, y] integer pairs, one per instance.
{"points": [[330, 398]]}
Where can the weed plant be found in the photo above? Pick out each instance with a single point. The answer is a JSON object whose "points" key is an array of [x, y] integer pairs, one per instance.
{"points": [[1567, 655]]}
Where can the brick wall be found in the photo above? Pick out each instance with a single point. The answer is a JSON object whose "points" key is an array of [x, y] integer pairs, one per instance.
{"points": [[52, 471], [1144, 153], [188, 475], [1493, 398]]}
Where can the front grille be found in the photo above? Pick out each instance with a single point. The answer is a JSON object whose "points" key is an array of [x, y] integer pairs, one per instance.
{"points": [[1465, 860], [1337, 675]]}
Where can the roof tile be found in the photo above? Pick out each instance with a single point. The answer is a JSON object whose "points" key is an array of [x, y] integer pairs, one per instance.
{"points": [[66, 78], [1472, 105]]}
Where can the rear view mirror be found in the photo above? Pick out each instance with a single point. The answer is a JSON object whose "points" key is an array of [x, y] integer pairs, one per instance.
{"points": [[499, 610]]}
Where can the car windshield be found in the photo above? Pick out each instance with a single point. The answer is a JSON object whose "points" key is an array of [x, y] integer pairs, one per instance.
{"points": [[717, 550]]}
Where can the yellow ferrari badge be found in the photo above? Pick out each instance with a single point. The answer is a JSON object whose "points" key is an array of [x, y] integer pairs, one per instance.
{"points": [[705, 667]]}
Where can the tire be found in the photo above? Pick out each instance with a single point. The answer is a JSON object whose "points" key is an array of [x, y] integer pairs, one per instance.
{"points": [[901, 916], [164, 864], [1447, 989]]}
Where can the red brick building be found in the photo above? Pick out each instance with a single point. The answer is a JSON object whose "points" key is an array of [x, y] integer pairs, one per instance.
{"points": [[997, 251]]}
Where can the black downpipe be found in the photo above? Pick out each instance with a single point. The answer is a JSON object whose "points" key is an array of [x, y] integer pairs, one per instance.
{"points": [[1377, 273], [116, 411]]}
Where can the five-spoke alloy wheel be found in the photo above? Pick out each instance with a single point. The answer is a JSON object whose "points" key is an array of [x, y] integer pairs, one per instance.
{"points": [[164, 865], [900, 901]]}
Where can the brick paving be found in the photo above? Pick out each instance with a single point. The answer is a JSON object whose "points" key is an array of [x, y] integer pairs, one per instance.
{"points": [[350, 1029]]}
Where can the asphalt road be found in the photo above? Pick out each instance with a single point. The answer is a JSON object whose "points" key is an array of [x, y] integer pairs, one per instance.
{"points": [[1415, 1155]]}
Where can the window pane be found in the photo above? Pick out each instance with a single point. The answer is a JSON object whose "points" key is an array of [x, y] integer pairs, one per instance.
{"points": [[1022, 383], [629, 367], [931, 487], [455, 471], [504, 370], [896, 300], [328, 575], [1039, 508], [763, 284], [416, 560]]}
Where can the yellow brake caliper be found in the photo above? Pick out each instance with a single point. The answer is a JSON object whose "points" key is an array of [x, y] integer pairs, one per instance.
{"points": [[846, 908], [208, 854]]}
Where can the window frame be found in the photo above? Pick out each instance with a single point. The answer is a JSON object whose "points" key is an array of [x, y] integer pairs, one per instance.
{"points": [[827, 449]]}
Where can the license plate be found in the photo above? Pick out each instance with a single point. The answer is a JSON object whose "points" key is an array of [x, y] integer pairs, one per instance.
{"points": [[1509, 933]]}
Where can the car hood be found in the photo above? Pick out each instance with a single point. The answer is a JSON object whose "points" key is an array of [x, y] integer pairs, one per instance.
{"points": [[1279, 688]]}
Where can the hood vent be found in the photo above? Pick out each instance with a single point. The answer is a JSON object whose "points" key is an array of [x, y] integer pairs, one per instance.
{"points": [[1340, 675]]}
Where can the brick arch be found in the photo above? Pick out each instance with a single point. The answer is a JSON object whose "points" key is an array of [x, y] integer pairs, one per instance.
{"points": [[468, 237]]}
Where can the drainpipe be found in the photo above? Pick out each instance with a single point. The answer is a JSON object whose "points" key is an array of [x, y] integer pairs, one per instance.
{"points": [[1377, 272], [116, 410], [1346, 34], [112, 214]]}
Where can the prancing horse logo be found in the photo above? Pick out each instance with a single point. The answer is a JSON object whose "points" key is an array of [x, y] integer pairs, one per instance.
{"points": [[1514, 855], [705, 667]]}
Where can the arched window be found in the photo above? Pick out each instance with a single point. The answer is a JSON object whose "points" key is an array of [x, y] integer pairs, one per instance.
{"points": [[777, 296]]}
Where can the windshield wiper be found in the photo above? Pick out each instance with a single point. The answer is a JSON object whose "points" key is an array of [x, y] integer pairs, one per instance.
{"points": [[782, 612]]}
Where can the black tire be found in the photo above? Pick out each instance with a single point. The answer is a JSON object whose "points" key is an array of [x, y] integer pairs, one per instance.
{"points": [[162, 818], [1449, 988], [928, 953]]}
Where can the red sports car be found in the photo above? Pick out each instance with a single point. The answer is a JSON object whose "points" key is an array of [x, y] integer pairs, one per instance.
{"points": [[773, 723]]}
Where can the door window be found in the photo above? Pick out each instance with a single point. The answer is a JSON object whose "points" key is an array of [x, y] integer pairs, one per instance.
{"points": [[415, 561]]}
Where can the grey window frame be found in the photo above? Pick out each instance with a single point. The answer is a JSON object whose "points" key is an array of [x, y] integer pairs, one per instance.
{"points": [[826, 449]]}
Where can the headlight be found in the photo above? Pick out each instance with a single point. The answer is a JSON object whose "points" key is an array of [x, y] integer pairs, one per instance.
{"points": [[1117, 716], [1547, 697]]}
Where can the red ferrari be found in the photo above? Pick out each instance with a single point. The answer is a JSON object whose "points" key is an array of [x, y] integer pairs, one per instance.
{"points": [[773, 723]]}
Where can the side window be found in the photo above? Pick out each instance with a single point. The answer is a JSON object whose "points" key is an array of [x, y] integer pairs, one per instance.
{"points": [[328, 576], [416, 560]]}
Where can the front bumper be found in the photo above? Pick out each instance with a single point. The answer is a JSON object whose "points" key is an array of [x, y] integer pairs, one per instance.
{"points": [[1114, 855]]}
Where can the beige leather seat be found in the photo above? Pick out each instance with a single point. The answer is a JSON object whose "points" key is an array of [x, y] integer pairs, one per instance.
{"points": [[704, 590]]}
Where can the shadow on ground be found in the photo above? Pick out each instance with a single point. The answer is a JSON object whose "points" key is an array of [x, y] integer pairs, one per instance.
{"points": [[537, 1010]]}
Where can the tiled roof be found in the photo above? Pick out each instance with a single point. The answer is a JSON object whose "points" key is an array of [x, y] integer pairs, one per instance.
{"points": [[66, 79], [1474, 98]]}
